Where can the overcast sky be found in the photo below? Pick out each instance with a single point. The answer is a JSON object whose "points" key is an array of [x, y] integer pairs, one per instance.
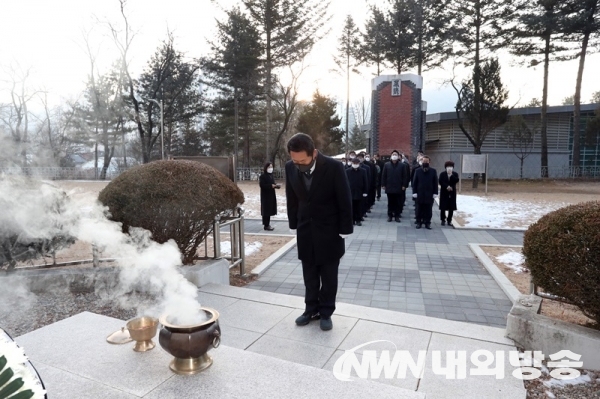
{"points": [[47, 37]]}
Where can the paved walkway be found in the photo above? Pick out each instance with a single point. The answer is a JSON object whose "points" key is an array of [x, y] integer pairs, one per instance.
{"points": [[397, 267]]}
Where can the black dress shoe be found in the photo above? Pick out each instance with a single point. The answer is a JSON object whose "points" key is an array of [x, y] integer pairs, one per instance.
{"points": [[359, 224], [450, 224], [389, 218], [428, 226], [306, 318], [369, 211], [418, 226], [269, 228], [397, 220], [326, 324], [444, 223]]}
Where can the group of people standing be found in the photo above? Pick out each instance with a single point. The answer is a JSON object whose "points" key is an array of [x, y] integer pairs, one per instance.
{"points": [[326, 199]]}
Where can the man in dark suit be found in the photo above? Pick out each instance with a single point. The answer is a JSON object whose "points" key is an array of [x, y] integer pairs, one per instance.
{"points": [[425, 190], [394, 181], [357, 178], [319, 208]]}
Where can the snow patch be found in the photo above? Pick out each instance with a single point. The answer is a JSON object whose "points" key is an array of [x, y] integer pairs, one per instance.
{"points": [[495, 213], [582, 379], [249, 247], [513, 260]]}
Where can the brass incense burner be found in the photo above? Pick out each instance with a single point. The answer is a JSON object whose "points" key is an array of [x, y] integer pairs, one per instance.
{"points": [[142, 330], [189, 344]]}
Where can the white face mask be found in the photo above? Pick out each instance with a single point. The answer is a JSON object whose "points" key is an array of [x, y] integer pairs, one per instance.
{"points": [[269, 170], [449, 169], [355, 165], [367, 159], [421, 163], [394, 157], [349, 163]]}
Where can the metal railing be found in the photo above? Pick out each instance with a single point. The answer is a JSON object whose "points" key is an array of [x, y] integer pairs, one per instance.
{"points": [[236, 231]]}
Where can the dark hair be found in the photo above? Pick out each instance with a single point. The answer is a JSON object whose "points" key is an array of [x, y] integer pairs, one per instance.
{"points": [[301, 142], [425, 156], [395, 151], [448, 163], [266, 166], [355, 160]]}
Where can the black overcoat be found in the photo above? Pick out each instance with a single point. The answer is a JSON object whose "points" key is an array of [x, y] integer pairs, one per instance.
{"points": [[357, 178], [268, 199], [425, 185], [394, 177], [448, 198], [321, 214]]}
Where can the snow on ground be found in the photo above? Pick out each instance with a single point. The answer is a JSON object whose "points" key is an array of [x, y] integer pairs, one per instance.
{"points": [[249, 247], [514, 260], [495, 213], [252, 205], [582, 379]]}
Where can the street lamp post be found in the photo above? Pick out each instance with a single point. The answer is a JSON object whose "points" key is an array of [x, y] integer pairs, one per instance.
{"points": [[162, 126]]}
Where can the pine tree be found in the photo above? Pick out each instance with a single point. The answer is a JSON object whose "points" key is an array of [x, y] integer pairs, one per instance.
{"points": [[348, 58], [479, 115], [288, 29], [537, 35], [432, 27], [172, 81], [400, 36], [358, 139], [374, 43], [235, 69], [319, 120]]}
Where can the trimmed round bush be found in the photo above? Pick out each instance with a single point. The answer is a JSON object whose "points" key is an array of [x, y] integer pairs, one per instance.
{"points": [[562, 250], [175, 200]]}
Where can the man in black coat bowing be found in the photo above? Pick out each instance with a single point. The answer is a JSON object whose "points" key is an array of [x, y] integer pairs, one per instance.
{"points": [[319, 207]]}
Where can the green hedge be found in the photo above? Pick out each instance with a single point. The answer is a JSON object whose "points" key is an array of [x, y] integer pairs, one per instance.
{"points": [[562, 250], [173, 200]]}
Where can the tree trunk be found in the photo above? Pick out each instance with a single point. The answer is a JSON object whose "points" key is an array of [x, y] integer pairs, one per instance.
{"points": [[247, 134], [347, 98], [544, 115], [521, 175], [476, 151], [577, 113]]}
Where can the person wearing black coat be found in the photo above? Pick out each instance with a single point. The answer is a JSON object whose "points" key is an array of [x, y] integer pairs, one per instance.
{"points": [[357, 178], [448, 180], [380, 164], [268, 199], [373, 183], [394, 180], [366, 168], [425, 190], [319, 208]]}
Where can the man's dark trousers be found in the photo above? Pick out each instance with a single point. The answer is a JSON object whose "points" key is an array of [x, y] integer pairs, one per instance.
{"points": [[356, 209], [425, 213], [321, 282], [394, 205]]}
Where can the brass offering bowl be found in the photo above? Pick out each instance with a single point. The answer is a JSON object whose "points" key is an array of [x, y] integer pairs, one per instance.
{"points": [[189, 344], [142, 330]]}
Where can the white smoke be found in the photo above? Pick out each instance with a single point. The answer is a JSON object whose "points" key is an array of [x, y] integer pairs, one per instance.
{"points": [[145, 265]]}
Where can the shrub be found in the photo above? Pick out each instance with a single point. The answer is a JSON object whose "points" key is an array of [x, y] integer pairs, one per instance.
{"points": [[562, 250], [173, 200], [33, 220]]}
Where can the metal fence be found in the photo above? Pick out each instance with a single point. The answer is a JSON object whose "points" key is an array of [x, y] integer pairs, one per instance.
{"points": [[254, 173]]}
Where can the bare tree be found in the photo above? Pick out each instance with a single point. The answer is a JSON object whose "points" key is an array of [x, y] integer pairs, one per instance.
{"points": [[286, 102], [15, 115], [362, 111], [520, 136]]}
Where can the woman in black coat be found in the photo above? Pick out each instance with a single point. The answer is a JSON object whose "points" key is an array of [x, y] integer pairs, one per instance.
{"points": [[268, 199], [448, 180]]}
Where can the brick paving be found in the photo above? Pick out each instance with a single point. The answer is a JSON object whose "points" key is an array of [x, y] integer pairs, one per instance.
{"points": [[394, 266]]}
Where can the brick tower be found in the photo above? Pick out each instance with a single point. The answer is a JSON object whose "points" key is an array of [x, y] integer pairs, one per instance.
{"points": [[397, 114]]}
